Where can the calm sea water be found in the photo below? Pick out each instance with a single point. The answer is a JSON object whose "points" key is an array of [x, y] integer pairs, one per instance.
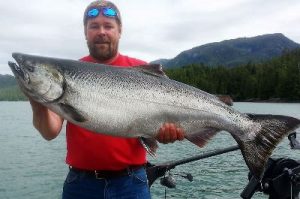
{"points": [[33, 168]]}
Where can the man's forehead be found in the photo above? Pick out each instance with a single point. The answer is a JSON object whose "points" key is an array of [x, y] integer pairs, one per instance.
{"points": [[100, 3]]}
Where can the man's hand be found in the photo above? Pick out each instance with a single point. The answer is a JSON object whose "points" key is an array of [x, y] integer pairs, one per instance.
{"points": [[48, 123], [169, 133]]}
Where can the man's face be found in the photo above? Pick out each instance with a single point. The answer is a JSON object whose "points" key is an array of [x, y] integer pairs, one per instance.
{"points": [[102, 35]]}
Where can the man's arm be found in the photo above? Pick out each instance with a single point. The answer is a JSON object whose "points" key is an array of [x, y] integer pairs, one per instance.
{"points": [[48, 123]]}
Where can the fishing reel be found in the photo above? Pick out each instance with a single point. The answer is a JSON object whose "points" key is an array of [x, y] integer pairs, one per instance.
{"points": [[294, 143], [170, 182], [281, 179]]}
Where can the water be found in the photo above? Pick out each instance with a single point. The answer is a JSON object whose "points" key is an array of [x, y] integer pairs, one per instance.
{"points": [[33, 168]]}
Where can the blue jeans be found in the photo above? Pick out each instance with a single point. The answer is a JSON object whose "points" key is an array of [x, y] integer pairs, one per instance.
{"points": [[78, 185]]}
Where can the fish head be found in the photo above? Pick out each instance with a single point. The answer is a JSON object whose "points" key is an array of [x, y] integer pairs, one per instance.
{"points": [[37, 77]]}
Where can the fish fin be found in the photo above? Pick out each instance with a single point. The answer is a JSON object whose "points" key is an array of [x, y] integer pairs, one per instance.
{"points": [[225, 99], [257, 150], [201, 138], [151, 69], [150, 144], [72, 112]]}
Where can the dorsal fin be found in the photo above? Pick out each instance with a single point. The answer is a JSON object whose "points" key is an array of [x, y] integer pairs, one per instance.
{"points": [[151, 69], [226, 99]]}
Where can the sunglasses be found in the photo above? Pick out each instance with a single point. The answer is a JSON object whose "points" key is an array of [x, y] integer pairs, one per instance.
{"points": [[106, 11]]}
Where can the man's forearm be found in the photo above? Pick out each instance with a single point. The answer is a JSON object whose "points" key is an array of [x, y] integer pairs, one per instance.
{"points": [[48, 123]]}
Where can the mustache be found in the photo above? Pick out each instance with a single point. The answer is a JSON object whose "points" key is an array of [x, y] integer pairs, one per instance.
{"points": [[101, 41]]}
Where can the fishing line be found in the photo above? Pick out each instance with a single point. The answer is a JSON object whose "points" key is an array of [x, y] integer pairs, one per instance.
{"points": [[165, 188], [291, 189]]}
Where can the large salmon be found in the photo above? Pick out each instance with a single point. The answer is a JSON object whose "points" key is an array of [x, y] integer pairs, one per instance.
{"points": [[135, 102]]}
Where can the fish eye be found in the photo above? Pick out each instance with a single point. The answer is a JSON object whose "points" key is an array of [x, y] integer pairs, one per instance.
{"points": [[30, 69], [29, 66]]}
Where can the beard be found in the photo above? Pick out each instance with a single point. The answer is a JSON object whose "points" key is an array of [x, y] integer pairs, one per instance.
{"points": [[102, 51]]}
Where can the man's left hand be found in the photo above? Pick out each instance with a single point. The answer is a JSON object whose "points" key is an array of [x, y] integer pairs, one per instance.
{"points": [[169, 133]]}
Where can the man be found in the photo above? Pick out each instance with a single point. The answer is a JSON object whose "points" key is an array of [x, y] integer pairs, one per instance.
{"points": [[102, 166]]}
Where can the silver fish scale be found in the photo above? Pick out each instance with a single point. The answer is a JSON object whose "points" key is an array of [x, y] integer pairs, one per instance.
{"points": [[134, 103]]}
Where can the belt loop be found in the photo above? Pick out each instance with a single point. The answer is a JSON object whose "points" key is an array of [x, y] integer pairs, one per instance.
{"points": [[129, 171], [97, 176]]}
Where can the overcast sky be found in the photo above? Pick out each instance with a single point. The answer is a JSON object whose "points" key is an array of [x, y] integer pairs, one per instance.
{"points": [[151, 29]]}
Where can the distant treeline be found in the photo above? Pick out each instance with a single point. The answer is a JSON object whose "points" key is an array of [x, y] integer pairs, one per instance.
{"points": [[275, 79], [11, 93]]}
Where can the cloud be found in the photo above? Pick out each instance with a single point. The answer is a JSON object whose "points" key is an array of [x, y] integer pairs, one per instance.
{"points": [[151, 29]]}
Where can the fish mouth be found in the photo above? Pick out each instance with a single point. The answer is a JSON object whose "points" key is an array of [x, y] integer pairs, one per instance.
{"points": [[17, 69]]}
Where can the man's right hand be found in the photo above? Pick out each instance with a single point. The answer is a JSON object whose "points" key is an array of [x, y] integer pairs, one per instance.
{"points": [[48, 123], [169, 133]]}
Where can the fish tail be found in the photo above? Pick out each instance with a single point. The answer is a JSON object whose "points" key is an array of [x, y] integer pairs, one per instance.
{"points": [[257, 150]]}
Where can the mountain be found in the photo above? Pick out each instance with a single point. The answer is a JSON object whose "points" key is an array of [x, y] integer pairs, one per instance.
{"points": [[233, 52], [160, 61]]}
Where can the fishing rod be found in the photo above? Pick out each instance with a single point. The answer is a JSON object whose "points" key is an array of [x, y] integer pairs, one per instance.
{"points": [[281, 179], [159, 170]]}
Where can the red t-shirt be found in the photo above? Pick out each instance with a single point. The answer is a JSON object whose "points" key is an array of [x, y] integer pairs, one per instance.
{"points": [[94, 151]]}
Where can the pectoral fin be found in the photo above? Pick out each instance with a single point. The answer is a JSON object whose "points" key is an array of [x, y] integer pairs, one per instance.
{"points": [[72, 112], [150, 144]]}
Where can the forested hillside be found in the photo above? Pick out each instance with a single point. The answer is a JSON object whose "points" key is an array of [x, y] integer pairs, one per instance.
{"points": [[233, 52], [278, 79], [9, 91]]}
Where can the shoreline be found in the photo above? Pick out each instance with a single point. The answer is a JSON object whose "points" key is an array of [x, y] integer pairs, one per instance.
{"points": [[251, 101], [229, 100], [273, 100]]}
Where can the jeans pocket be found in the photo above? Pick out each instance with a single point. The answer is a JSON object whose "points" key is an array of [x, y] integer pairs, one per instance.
{"points": [[71, 177], [140, 176]]}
